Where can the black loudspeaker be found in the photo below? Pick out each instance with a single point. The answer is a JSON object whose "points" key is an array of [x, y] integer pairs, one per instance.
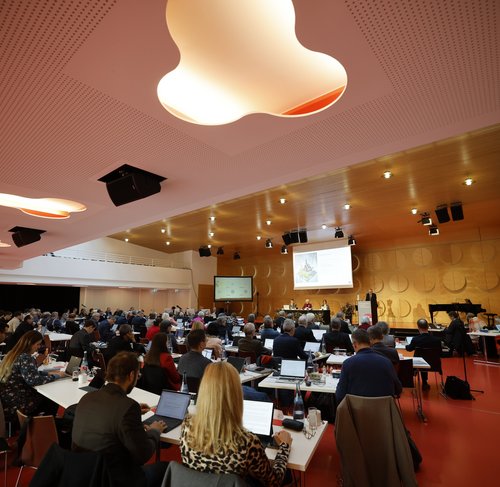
{"points": [[287, 238], [303, 236], [442, 214], [25, 236], [204, 252], [457, 212], [294, 237]]}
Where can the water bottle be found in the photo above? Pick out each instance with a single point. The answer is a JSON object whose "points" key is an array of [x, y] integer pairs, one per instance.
{"points": [[226, 339], [298, 405], [85, 363], [169, 344], [323, 348], [184, 386]]}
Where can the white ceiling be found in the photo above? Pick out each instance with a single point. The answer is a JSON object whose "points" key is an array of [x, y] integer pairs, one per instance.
{"points": [[78, 99]]}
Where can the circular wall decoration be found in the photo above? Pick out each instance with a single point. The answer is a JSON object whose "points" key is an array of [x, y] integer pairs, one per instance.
{"points": [[381, 308], [422, 256], [451, 254], [266, 272], [396, 260], [281, 270], [398, 283], [355, 263], [376, 283], [454, 281], [373, 262], [425, 281], [487, 280], [268, 286], [482, 252], [404, 308]]}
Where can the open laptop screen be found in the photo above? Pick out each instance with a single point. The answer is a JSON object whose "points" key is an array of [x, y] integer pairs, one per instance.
{"points": [[173, 404], [293, 368], [311, 346], [268, 343], [318, 334], [207, 353], [258, 416]]}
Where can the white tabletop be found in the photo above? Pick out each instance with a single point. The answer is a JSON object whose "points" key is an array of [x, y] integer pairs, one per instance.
{"points": [[59, 337], [272, 382], [490, 333], [337, 359], [250, 375]]}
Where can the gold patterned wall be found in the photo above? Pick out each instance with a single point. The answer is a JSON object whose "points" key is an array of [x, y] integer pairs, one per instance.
{"points": [[406, 280]]}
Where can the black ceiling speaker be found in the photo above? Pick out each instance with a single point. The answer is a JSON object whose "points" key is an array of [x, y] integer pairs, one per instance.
{"points": [[204, 252], [128, 183], [442, 213], [457, 212], [287, 238], [24, 236], [294, 236], [302, 236]]}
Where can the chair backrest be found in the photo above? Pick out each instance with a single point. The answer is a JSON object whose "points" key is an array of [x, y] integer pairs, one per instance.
{"points": [[432, 356], [153, 379], [193, 384], [252, 355], [405, 373], [99, 359], [182, 347], [38, 432], [178, 475]]}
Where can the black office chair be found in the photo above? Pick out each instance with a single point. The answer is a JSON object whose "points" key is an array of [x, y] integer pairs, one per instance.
{"points": [[433, 357], [406, 376], [153, 379]]}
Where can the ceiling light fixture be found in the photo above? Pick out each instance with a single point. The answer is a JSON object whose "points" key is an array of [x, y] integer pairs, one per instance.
{"points": [[209, 246], [284, 249], [211, 234], [126, 239], [4, 245], [167, 242], [269, 244], [426, 219], [433, 230], [236, 256], [323, 226], [205, 251], [268, 222], [347, 206], [469, 182], [53, 208], [220, 251], [414, 211], [282, 201], [259, 237], [351, 240], [338, 232], [387, 174], [212, 219], [163, 230]]}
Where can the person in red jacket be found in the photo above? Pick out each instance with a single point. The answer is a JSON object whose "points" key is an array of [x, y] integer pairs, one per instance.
{"points": [[158, 356], [153, 329]]}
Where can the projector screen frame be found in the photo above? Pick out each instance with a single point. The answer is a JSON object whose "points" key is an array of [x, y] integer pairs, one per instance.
{"points": [[235, 298]]}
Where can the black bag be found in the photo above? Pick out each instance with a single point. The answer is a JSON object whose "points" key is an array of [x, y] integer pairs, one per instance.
{"points": [[415, 453], [457, 388]]}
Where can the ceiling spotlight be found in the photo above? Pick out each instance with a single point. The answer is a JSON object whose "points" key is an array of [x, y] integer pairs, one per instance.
{"points": [[469, 182], [338, 233], [426, 219], [211, 234], [268, 222], [163, 230], [284, 249], [167, 242], [282, 201], [220, 251], [269, 244], [4, 245], [433, 230], [209, 246], [387, 174], [259, 237], [351, 240], [212, 218], [236, 256], [414, 211], [347, 206], [323, 226], [126, 239]]}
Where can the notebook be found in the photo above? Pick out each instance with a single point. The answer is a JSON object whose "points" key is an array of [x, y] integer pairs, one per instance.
{"points": [[311, 347], [237, 362], [171, 409], [207, 353], [292, 370], [268, 343], [258, 418], [318, 334]]}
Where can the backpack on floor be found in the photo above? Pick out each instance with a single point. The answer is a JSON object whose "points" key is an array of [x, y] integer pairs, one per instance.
{"points": [[457, 388]]}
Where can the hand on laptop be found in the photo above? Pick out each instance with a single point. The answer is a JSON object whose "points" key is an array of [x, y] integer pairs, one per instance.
{"points": [[144, 408], [57, 373], [155, 425], [283, 436]]}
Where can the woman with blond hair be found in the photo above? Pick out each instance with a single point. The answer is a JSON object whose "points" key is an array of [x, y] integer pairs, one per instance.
{"points": [[214, 439], [18, 377]]}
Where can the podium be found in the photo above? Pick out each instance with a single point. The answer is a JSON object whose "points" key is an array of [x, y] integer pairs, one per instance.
{"points": [[364, 309]]}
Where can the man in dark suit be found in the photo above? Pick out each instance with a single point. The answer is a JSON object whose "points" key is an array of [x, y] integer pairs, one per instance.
{"points": [[336, 338], [344, 326], [376, 339], [367, 373], [80, 341], [24, 327], [105, 329], [424, 340], [124, 342], [286, 345], [108, 421], [302, 333], [372, 297], [250, 344]]}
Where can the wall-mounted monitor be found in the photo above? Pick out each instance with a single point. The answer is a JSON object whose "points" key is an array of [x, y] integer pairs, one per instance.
{"points": [[324, 265], [233, 288]]}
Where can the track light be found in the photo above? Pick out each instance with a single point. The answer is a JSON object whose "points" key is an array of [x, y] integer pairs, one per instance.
{"points": [[433, 230], [425, 220], [414, 211], [323, 226], [259, 237], [387, 174], [163, 230], [284, 249], [339, 233], [269, 244], [347, 206], [220, 251], [351, 240], [236, 256], [282, 201], [268, 222], [212, 218]]}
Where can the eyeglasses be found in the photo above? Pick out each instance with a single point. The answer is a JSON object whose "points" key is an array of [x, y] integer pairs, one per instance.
{"points": [[309, 433]]}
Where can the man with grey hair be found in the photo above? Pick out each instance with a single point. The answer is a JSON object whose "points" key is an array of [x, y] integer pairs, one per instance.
{"points": [[388, 340], [376, 341], [302, 333], [365, 323], [248, 344], [287, 345], [310, 319], [344, 326], [280, 318], [336, 338], [267, 330]]}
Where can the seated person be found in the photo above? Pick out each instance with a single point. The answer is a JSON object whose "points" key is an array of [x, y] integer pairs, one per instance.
{"points": [[71, 326], [124, 342], [231, 449], [18, 377], [193, 363], [311, 321], [159, 356], [307, 305], [267, 330], [105, 329], [302, 333], [388, 340], [250, 344], [154, 328], [286, 345], [337, 339], [377, 344], [213, 341], [24, 327], [344, 327], [80, 341]]}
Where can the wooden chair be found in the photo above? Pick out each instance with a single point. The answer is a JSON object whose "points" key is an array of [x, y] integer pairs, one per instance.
{"points": [[39, 433]]}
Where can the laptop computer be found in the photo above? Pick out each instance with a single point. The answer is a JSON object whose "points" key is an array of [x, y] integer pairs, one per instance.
{"points": [[207, 353], [292, 370], [237, 362], [318, 334], [73, 364], [497, 327], [408, 340], [258, 418], [236, 329], [172, 408], [311, 347], [94, 385], [268, 343]]}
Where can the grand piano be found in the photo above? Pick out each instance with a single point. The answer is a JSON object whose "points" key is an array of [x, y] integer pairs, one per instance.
{"points": [[461, 307]]}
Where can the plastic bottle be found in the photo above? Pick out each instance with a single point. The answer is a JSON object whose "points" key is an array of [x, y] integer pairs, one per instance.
{"points": [[85, 363], [226, 339], [169, 344], [323, 348], [298, 405], [184, 386]]}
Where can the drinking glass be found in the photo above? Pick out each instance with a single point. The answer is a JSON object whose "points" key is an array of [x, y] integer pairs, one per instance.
{"points": [[312, 418]]}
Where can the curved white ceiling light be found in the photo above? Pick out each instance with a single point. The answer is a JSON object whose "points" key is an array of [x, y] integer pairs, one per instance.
{"points": [[54, 208], [242, 57]]}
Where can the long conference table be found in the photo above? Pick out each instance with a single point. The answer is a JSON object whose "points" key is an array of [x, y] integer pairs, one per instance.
{"points": [[66, 392]]}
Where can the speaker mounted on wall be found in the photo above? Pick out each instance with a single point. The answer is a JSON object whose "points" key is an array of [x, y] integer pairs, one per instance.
{"points": [[457, 211], [24, 236], [204, 252], [128, 183], [303, 235], [287, 239], [442, 214]]}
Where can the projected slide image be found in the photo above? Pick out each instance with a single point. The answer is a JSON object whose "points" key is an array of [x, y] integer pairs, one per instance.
{"points": [[307, 268]]}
